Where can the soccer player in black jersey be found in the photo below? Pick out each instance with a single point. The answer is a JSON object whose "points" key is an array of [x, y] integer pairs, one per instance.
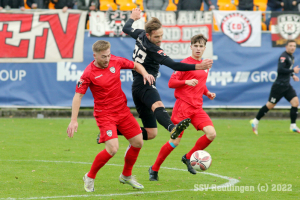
{"points": [[282, 88], [146, 98]]}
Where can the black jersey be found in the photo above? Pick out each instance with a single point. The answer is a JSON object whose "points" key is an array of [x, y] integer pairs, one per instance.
{"points": [[285, 69], [150, 55]]}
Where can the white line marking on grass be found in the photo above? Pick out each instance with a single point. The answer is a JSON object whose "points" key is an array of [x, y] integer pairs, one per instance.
{"points": [[231, 182]]}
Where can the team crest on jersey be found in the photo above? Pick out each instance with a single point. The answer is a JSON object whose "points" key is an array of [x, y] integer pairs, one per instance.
{"points": [[112, 69], [79, 83], [109, 133], [282, 59], [161, 52]]}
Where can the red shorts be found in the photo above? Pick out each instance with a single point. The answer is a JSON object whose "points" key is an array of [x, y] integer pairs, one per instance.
{"points": [[124, 121], [182, 110]]}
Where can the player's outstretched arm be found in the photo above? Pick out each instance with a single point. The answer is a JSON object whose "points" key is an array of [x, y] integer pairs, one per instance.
{"points": [[178, 66], [75, 109], [141, 70]]}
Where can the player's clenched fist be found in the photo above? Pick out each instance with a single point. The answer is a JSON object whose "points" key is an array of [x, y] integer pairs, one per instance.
{"points": [[192, 82]]}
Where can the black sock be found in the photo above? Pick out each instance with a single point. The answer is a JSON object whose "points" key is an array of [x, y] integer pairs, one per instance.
{"points": [[145, 134], [163, 118], [262, 112], [293, 114]]}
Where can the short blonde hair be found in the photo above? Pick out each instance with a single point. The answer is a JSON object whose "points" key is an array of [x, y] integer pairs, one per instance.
{"points": [[100, 45]]}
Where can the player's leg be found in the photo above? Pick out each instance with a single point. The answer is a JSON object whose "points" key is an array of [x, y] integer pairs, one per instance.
{"points": [[201, 121], [291, 96], [146, 115], [152, 100], [169, 146], [108, 136], [277, 92], [131, 130]]}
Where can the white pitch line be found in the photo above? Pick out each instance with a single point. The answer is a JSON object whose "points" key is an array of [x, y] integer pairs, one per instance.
{"points": [[231, 182]]}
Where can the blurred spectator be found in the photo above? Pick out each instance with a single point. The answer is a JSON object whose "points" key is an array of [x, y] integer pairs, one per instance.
{"points": [[8, 4], [88, 5], [214, 2], [193, 4], [63, 4], [273, 5], [290, 5], [34, 4], [155, 4], [246, 5]]}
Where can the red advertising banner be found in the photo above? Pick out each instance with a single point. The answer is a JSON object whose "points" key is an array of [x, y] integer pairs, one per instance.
{"points": [[45, 36]]}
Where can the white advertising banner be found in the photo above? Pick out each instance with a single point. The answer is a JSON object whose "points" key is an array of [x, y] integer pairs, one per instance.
{"points": [[243, 27], [42, 36]]}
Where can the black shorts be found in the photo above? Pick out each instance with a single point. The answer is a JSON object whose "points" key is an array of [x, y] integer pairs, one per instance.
{"points": [[144, 97], [278, 91]]}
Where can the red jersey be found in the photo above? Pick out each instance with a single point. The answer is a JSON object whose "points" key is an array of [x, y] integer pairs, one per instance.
{"points": [[190, 94], [105, 84]]}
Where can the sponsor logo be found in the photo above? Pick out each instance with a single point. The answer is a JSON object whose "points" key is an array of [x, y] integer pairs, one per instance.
{"points": [[109, 133], [161, 52], [289, 26], [282, 59], [112, 70], [79, 83], [66, 71], [273, 100], [98, 76], [12, 75], [237, 26], [226, 77]]}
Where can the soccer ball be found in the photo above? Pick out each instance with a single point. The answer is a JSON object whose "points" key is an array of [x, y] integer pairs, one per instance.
{"points": [[200, 160]]}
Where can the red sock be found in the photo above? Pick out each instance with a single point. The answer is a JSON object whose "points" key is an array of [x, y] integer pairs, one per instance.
{"points": [[165, 150], [130, 158], [101, 159], [201, 144]]}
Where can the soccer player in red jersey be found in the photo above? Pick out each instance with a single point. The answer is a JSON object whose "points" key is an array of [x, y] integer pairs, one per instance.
{"points": [[189, 88], [110, 111]]}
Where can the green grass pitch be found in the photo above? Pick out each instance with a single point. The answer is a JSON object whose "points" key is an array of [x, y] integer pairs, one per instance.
{"points": [[39, 161]]}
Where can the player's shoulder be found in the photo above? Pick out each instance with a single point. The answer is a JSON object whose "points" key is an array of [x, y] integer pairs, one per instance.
{"points": [[284, 54], [190, 60]]}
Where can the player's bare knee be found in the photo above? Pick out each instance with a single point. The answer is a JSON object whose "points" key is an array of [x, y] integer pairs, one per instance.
{"points": [[157, 105], [152, 134], [138, 143], [211, 135], [112, 150], [175, 142]]}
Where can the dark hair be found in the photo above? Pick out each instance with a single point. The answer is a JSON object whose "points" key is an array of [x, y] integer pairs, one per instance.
{"points": [[289, 41], [198, 38], [152, 25]]}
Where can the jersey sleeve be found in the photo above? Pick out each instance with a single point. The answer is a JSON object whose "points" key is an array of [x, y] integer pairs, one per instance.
{"points": [[282, 65], [175, 80], [84, 82], [134, 33], [125, 63], [157, 54], [205, 90]]}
